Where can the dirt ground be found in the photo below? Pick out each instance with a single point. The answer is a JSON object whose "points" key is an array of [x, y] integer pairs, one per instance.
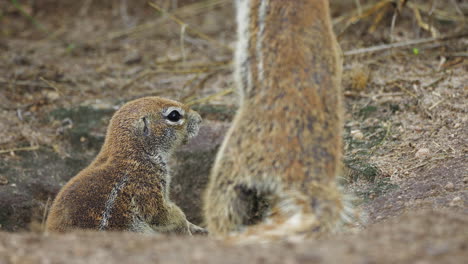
{"points": [[66, 66]]}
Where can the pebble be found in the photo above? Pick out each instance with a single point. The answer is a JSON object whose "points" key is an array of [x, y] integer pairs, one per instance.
{"points": [[422, 153], [450, 186], [133, 58], [357, 134], [465, 180], [52, 95], [3, 180], [457, 201]]}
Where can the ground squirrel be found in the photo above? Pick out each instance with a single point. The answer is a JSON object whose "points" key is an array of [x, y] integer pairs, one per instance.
{"points": [[275, 173], [126, 187]]}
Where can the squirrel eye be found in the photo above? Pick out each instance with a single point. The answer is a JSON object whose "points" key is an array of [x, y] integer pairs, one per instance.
{"points": [[174, 116]]}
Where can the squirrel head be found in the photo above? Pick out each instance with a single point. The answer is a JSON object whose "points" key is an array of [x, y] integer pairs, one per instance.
{"points": [[153, 126]]}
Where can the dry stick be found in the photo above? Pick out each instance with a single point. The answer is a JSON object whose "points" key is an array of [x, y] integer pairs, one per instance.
{"points": [[349, 15], [182, 46], [368, 12], [443, 77], [387, 133], [208, 65], [189, 28], [200, 84], [187, 84], [377, 19], [44, 214], [50, 84], [188, 70], [457, 8], [147, 73], [358, 6], [406, 90], [210, 97], [436, 104], [440, 14], [402, 44], [197, 7], [423, 25], [30, 148], [23, 83], [392, 25]]}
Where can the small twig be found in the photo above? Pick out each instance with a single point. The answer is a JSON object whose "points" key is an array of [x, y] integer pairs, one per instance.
{"points": [[187, 84], [30, 148], [458, 54], [28, 16], [200, 84], [375, 97], [50, 84], [365, 13], [354, 94], [392, 25], [418, 166], [434, 32], [44, 214], [23, 83], [189, 28], [358, 6], [406, 90], [443, 77], [193, 9], [402, 44], [147, 73], [440, 14], [457, 8], [210, 97], [436, 104], [387, 132], [377, 19], [182, 46]]}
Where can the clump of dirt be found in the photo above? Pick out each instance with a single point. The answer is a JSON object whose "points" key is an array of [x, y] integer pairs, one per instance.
{"points": [[68, 65], [424, 237]]}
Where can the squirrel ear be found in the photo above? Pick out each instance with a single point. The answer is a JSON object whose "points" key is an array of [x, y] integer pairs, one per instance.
{"points": [[145, 126]]}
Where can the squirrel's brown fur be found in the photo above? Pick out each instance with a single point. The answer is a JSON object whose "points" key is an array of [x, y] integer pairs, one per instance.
{"points": [[275, 174], [126, 187]]}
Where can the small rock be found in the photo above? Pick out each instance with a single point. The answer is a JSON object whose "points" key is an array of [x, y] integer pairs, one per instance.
{"points": [[457, 201], [465, 180], [357, 134], [422, 153], [450, 186], [21, 60], [133, 58], [3, 180], [52, 95]]}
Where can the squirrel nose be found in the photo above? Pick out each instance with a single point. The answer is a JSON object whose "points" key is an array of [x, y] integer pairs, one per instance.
{"points": [[195, 117], [193, 126]]}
